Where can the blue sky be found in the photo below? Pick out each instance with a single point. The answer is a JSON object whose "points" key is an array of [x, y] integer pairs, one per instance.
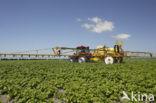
{"points": [[35, 24]]}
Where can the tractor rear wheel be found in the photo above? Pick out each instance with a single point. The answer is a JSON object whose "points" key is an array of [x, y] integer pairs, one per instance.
{"points": [[109, 60], [121, 60], [82, 59]]}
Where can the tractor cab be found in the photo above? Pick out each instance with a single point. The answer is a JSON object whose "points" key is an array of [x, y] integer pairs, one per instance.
{"points": [[82, 50]]}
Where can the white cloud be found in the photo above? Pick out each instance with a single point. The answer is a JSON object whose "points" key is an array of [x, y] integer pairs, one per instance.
{"points": [[95, 19], [98, 25], [78, 20], [87, 26], [103, 26], [122, 36]]}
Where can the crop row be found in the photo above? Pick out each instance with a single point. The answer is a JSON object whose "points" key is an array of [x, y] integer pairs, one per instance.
{"points": [[47, 81]]}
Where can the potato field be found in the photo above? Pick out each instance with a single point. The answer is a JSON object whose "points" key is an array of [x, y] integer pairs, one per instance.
{"points": [[58, 81]]}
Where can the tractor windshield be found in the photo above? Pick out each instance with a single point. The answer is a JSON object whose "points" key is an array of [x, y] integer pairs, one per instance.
{"points": [[83, 49]]}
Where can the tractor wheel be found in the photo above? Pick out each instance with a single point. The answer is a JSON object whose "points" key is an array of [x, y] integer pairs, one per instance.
{"points": [[82, 60], [71, 59], [109, 60], [121, 60]]}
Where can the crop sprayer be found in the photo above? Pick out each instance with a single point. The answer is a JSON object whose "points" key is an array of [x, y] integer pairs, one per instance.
{"points": [[81, 54]]}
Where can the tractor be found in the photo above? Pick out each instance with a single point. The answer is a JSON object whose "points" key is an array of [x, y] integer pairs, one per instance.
{"points": [[101, 53], [81, 55]]}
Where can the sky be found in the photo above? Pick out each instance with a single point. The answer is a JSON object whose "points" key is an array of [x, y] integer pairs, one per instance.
{"points": [[37, 24]]}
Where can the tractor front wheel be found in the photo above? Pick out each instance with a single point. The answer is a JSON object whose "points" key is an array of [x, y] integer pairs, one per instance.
{"points": [[71, 59]]}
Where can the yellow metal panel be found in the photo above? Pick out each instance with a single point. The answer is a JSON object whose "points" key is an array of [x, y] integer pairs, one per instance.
{"points": [[95, 59]]}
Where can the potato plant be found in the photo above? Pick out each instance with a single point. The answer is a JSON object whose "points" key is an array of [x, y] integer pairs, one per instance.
{"points": [[48, 81]]}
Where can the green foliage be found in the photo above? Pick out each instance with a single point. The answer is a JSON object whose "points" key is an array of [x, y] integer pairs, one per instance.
{"points": [[46, 81]]}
